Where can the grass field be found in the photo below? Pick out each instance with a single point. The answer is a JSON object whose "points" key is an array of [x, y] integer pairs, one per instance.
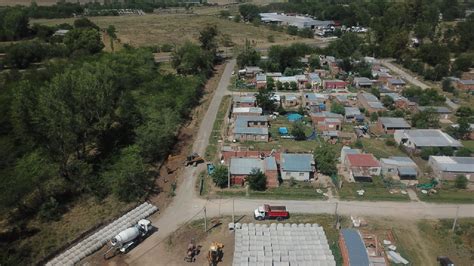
{"points": [[375, 191], [300, 191], [157, 29], [212, 148], [469, 144], [42, 2], [378, 148]]}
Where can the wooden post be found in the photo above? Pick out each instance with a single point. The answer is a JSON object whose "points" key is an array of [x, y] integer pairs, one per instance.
{"points": [[205, 220]]}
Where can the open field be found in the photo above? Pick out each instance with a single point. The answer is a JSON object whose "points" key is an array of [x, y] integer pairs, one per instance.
{"points": [[157, 29], [375, 191], [379, 149], [43, 2], [299, 191]]}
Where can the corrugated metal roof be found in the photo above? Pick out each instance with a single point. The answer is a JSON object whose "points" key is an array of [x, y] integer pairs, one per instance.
{"points": [[244, 99], [454, 164], [436, 109], [394, 122], [297, 162], [355, 247], [241, 125], [407, 171], [257, 110], [244, 166], [351, 111], [430, 138], [270, 164]]}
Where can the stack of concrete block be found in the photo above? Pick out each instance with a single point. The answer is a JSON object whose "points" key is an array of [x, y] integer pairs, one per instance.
{"points": [[95, 241], [282, 244]]}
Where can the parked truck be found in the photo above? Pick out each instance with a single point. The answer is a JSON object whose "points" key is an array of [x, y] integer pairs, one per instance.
{"points": [[129, 237], [266, 212]]}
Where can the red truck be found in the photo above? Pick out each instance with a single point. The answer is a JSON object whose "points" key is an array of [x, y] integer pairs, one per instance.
{"points": [[271, 212]]}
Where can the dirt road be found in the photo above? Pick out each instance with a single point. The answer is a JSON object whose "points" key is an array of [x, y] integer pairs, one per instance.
{"points": [[187, 205], [413, 80]]}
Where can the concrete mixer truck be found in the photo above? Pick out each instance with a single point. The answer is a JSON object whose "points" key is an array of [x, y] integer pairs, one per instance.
{"points": [[131, 236]]}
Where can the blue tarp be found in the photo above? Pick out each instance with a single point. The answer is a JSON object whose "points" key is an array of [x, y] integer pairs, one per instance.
{"points": [[283, 131], [294, 117]]}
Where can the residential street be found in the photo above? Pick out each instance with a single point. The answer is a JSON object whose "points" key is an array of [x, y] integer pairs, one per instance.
{"points": [[187, 205], [403, 74]]}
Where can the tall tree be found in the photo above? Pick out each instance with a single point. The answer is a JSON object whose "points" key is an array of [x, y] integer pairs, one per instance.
{"points": [[325, 159]]}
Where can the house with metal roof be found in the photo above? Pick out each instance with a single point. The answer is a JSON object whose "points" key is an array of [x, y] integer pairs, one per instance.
{"points": [[251, 128], [416, 139], [362, 82], [362, 167], [370, 102], [448, 168], [298, 21], [352, 114], [403, 168], [244, 101], [246, 111], [353, 250], [345, 151], [396, 84], [389, 124], [314, 80], [240, 168], [297, 166], [260, 81], [442, 111]]}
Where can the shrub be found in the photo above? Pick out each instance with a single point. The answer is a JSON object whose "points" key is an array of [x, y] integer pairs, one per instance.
{"points": [[220, 176], [461, 182], [257, 180], [390, 142]]}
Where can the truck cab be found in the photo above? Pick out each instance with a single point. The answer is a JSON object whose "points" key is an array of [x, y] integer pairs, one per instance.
{"points": [[266, 211]]}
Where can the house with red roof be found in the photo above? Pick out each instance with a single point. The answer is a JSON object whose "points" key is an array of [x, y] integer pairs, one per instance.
{"points": [[362, 167]]}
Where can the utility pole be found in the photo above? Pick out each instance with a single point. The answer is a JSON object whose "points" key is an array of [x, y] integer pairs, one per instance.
{"points": [[455, 219], [228, 175], [205, 220], [233, 216], [337, 216]]}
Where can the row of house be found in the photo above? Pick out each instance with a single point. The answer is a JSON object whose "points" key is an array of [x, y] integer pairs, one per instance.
{"points": [[274, 165]]}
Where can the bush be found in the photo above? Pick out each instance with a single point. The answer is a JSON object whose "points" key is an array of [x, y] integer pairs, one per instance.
{"points": [[298, 131], [461, 182], [358, 144], [220, 176], [257, 180], [50, 210], [166, 48], [390, 142]]}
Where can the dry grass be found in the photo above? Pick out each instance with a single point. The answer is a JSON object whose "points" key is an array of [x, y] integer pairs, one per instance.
{"points": [[84, 215], [156, 29], [41, 2]]}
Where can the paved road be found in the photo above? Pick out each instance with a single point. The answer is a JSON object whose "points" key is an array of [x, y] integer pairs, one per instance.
{"points": [[403, 74], [187, 205]]}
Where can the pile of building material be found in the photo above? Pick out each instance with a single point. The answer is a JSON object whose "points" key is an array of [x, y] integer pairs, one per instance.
{"points": [[281, 244], [95, 241]]}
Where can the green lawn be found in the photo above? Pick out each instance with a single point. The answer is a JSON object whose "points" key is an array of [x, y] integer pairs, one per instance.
{"points": [[469, 144], [375, 191], [379, 149], [448, 193], [300, 191], [211, 149]]}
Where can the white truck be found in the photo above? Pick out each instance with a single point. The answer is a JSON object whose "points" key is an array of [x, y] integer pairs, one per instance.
{"points": [[131, 236]]}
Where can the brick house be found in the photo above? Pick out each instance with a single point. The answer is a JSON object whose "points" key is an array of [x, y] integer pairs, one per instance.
{"points": [[362, 167], [244, 101], [334, 84], [251, 128], [388, 125], [240, 168], [396, 84], [370, 102]]}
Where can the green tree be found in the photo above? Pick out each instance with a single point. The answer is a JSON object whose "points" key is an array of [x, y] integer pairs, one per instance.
{"points": [[461, 182], [190, 59], [220, 176], [427, 152], [127, 176], [375, 91], [14, 24], [207, 38], [298, 131], [85, 23], [326, 160], [387, 102], [447, 86], [112, 32], [265, 100], [257, 180], [374, 116], [84, 40], [248, 56], [156, 136], [249, 12], [292, 30], [425, 119], [463, 152], [337, 108], [293, 86], [270, 83]]}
